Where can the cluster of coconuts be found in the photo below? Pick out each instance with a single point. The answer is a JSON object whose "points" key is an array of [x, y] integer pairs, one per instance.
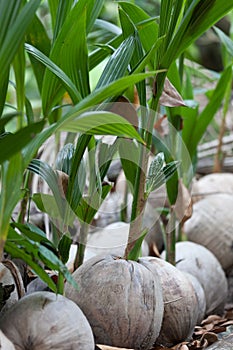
{"points": [[211, 224], [125, 303], [137, 304]]}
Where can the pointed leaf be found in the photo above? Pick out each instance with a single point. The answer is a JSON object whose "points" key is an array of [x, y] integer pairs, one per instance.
{"points": [[16, 34], [118, 62], [101, 123]]}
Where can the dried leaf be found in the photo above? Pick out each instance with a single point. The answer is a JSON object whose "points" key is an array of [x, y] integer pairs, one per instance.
{"points": [[125, 109], [211, 319], [170, 96], [183, 206]]}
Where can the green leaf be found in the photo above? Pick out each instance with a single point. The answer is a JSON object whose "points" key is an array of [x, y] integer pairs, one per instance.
{"points": [[64, 79], [101, 123], [54, 263], [20, 253], [15, 35], [11, 180], [37, 37], [129, 155], [48, 174], [148, 31], [33, 233], [199, 16], [6, 118], [225, 40], [98, 55], [64, 158], [209, 111], [159, 173], [89, 206], [71, 56], [13, 143], [118, 62], [135, 252], [64, 248]]}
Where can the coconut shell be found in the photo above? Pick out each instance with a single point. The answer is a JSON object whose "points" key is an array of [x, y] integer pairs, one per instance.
{"points": [[180, 302], [201, 263], [121, 299], [46, 321], [212, 184], [200, 294], [211, 225]]}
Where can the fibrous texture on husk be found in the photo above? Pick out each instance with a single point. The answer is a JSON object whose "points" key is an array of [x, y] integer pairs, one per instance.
{"points": [[201, 263], [211, 225], [180, 302], [46, 321], [200, 294], [121, 299]]}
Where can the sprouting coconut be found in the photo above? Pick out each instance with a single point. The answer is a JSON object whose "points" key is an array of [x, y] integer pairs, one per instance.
{"points": [[121, 299]]}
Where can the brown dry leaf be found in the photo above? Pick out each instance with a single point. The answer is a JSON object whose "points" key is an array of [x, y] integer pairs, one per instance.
{"points": [[183, 206], [124, 108], [154, 250], [211, 319], [210, 337], [227, 323], [170, 96]]}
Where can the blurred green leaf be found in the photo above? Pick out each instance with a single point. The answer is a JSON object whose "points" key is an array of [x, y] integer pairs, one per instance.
{"points": [[71, 56], [51, 177], [209, 111], [13, 143], [198, 17], [37, 37], [11, 181], [20, 252], [225, 40], [15, 34], [101, 123], [64, 248], [135, 252]]}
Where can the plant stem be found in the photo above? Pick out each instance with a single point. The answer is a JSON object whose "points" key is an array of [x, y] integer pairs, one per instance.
{"points": [[82, 245], [171, 238], [139, 187], [60, 284]]}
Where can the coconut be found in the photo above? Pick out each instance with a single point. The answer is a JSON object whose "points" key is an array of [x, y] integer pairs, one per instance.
{"points": [[211, 225], [11, 283], [46, 321], [121, 299], [200, 294], [180, 302], [212, 184], [201, 263]]}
